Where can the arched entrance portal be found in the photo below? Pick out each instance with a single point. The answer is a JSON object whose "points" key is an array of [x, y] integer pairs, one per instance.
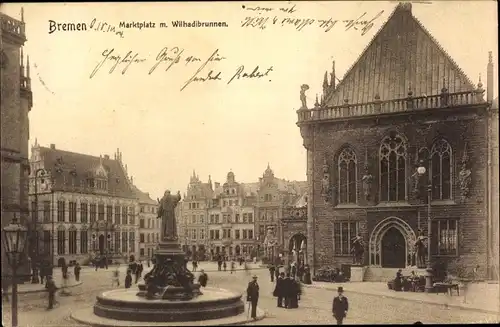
{"points": [[237, 250], [101, 244], [297, 249], [393, 249], [391, 244]]}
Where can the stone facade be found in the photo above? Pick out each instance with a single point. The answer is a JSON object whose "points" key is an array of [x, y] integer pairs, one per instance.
{"points": [[84, 206], [149, 224], [15, 104], [371, 132], [227, 218]]}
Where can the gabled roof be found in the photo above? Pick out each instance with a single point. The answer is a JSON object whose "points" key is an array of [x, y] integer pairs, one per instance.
{"points": [[70, 171], [403, 55], [144, 198]]}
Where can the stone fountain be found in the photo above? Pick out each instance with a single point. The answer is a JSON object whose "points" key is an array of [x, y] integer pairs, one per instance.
{"points": [[169, 295]]}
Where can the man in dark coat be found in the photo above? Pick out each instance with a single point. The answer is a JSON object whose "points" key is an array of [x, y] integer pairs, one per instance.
{"points": [[51, 288], [278, 290], [287, 290], [272, 269], [253, 296], [340, 306], [76, 271]]}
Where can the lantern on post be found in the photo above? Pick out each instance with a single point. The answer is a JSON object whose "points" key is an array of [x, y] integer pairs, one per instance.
{"points": [[14, 242]]}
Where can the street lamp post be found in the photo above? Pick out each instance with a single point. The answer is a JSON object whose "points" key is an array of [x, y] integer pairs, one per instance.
{"points": [[14, 240], [429, 271], [35, 256]]}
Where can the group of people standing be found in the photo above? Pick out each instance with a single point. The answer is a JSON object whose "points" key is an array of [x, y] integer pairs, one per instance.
{"points": [[288, 291]]}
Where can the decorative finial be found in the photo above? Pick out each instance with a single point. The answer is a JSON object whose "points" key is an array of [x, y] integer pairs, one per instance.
{"points": [[444, 89], [22, 14], [22, 61], [28, 66], [325, 81], [465, 156], [490, 57], [479, 84], [316, 103], [366, 161]]}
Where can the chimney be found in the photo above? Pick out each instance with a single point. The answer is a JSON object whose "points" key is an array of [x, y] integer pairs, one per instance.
{"points": [[489, 78], [106, 156], [52, 146]]}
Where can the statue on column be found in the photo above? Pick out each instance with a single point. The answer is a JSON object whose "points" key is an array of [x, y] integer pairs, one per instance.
{"points": [[303, 89], [166, 212]]}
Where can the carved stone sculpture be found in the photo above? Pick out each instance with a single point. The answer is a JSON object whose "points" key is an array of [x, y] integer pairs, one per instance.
{"points": [[303, 89], [326, 189], [166, 211], [465, 181], [367, 180]]}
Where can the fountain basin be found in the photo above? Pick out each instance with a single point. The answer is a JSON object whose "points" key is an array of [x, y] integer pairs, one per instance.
{"points": [[126, 304]]}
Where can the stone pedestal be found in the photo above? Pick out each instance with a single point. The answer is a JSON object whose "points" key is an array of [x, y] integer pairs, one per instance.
{"points": [[169, 279], [357, 273]]}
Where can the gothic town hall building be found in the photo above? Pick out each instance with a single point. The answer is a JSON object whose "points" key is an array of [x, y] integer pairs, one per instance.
{"points": [[405, 104]]}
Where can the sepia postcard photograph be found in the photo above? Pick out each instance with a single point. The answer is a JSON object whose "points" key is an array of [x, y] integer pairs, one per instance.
{"points": [[204, 163]]}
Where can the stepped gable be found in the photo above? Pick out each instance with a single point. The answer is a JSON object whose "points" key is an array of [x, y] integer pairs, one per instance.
{"points": [[403, 55], [71, 171]]}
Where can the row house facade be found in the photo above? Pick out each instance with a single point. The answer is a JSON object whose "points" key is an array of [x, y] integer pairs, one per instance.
{"points": [[149, 224], [83, 206], [404, 139], [16, 101], [215, 219]]}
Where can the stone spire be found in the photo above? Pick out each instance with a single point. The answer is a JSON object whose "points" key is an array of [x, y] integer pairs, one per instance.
{"points": [[28, 66], [22, 62], [325, 83], [333, 77], [489, 78]]}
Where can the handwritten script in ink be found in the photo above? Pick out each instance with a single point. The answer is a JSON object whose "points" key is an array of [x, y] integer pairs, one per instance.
{"points": [[169, 58], [289, 17]]}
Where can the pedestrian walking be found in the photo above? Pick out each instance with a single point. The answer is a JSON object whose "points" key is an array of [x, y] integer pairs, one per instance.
{"points": [[219, 263], [128, 279], [51, 288], [233, 266], [224, 265], [115, 279], [253, 296], [340, 306], [272, 270], [195, 265], [76, 271], [278, 290], [137, 273], [203, 278]]}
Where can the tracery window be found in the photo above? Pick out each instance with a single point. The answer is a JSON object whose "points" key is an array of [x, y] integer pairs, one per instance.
{"points": [[347, 176], [440, 169], [392, 156]]}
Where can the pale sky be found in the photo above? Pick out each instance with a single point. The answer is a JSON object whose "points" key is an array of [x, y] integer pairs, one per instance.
{"points": [[212, 127]]}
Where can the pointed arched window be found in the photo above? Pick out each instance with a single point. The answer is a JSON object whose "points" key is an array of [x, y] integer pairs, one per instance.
{"points": [[441, 170], [347, 176], [392, 169]]}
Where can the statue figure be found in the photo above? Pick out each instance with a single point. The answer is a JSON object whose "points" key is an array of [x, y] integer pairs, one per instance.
{"points": [[357, 249], [465, 180], [367, 180], [420, 249], [166, 212], [303, 89], [325, 185]]}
